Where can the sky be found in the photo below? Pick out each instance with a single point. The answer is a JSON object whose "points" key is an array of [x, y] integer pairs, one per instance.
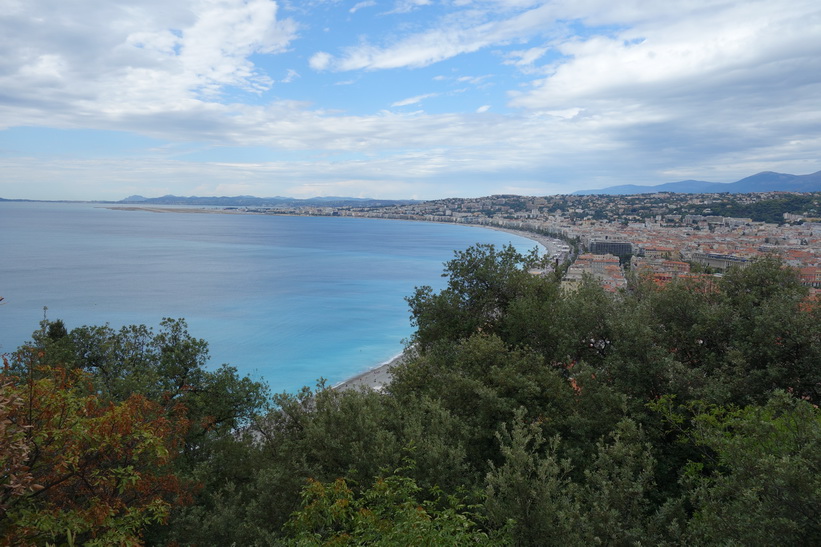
{"points": [[401, 99]]}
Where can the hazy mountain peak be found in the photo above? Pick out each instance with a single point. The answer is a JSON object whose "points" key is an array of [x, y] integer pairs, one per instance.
{"points": [[766, 181]]}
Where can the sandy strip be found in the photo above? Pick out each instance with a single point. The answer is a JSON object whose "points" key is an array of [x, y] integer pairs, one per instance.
{"points": [[545, 241], [376, 378], [179, 210]]}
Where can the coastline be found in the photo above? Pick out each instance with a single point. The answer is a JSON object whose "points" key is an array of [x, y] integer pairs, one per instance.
{"points": [[379, 376], [376, 378], [173, 209], [544, 241]]}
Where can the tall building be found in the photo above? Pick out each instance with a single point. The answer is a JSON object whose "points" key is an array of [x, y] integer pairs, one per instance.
{"points": [[607, 246]]}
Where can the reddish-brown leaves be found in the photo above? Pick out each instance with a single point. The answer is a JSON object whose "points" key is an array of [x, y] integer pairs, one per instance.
{"points": [[72, 461]]}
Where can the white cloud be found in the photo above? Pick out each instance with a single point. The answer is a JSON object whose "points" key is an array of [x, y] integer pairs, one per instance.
{"points": [[361, 5], [526, 59], [457, 33], [405, 6], [600, 89], [290, 76], [475, 80], [698, 53], [437, 155], [723, 86], [119, 57], [320, 60], [398, 156], [414, 100]]}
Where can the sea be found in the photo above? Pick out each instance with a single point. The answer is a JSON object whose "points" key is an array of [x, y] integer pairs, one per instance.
{"points": [[285, 299]]}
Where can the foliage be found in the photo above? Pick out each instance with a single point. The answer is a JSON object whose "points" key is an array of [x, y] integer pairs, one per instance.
{"points": [[767, 210], [529, 491], [165, 372], [482, 282], [388, 513], [16, 479], [682, 414], [76, 464], [758, 482], [167, 367], [535, 494]]}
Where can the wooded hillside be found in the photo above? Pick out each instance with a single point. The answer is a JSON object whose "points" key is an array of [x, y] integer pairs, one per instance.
{"points": [[677, 415]]}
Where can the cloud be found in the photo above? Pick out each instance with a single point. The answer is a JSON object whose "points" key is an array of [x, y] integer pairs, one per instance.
{"points": [[120, 57], [721, 83], [320, 60], [598, 91], [361, 5], [696, 53], [452, 154], [392, 155], [527, 58], [461, 31], [414, 100], [475, 80], [290, 76], [405, 6]]}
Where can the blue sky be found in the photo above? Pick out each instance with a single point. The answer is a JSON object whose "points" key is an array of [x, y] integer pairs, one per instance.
{"points": [[102, 99]]}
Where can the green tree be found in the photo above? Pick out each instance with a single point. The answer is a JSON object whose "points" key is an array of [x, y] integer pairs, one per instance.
{"points": [[390, 512], [616, 500], [769, 334], [757, 482], [168, 369], [531, 491], [323, 434], [481, 382], [482, 283]]}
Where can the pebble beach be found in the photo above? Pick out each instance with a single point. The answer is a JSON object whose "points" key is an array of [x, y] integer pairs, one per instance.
{"points": [[375, 378]]}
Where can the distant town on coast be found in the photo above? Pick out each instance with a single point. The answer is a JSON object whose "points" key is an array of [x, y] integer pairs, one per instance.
{"points": [[662, 232], [655, 350], [669, 230]]}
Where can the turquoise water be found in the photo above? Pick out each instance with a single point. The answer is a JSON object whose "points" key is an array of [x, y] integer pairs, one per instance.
{"points": [[284, 299]]}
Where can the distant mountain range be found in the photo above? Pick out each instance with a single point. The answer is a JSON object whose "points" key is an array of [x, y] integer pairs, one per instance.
{"points": [[766, 181], [251, 201]]}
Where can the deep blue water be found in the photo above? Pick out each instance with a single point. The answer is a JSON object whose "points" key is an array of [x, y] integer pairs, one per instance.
{"points": [[284, 299]]}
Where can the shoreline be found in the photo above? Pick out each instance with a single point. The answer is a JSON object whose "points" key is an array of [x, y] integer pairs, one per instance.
{"points": [[376, 378], [540, 239], [379, 376], [543, 240], [176, 209]]}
